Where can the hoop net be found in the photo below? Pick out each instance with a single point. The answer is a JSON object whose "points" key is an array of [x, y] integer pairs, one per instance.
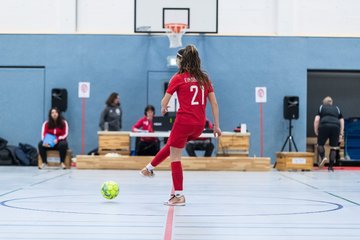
{"points": [[175, 31]]}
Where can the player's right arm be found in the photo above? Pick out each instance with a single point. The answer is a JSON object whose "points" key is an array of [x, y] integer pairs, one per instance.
{"points": [[215, 112], [164, 103]]}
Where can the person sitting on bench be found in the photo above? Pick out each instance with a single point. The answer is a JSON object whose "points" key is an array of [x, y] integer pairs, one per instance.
{"points": [[54, 133]]}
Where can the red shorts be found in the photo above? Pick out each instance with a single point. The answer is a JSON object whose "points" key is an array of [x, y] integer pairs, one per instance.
{"points": [[181, 133]]}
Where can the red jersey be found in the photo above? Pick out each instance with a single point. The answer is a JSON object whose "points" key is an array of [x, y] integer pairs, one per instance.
{"points": [[60, 133], [145, 125], [192, 98]]}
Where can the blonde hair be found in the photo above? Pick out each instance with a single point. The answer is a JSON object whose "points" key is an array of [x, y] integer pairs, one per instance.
{"points": [[327, 101]]}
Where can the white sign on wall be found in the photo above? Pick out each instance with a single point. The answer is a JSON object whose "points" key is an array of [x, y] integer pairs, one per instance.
{"points": [[260, 95], [84, 89]]}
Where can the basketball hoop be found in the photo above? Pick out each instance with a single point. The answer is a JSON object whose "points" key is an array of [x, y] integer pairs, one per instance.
{"points": [[175, 31]]}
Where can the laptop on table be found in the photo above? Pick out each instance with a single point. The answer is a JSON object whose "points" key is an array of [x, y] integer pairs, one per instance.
{"points": [[163, 123]]}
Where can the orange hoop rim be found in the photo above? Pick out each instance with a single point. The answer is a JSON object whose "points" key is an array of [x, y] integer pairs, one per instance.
{"points": [[176, 27]]}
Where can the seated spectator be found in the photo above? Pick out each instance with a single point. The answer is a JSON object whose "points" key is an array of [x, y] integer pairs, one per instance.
{"points": [[57, 126], [111, 116], [147, 146], [203, 144]]}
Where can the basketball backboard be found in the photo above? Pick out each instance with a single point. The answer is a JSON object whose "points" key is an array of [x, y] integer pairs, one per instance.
{"points": [[201, 16]]}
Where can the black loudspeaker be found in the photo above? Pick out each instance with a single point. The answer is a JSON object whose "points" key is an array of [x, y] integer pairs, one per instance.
{"points": [[59, 99], [291, 107]]}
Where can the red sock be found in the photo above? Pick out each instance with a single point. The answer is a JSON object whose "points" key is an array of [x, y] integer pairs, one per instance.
{"points": [[177, 175], [161, 155]]}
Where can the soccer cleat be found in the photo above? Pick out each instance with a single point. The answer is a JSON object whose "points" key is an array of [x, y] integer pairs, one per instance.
{"points": [[63, 166], [147, 173], [322, 162], [42, 166], [176, 200]]}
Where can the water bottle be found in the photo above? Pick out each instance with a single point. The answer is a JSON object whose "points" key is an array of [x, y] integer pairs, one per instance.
{"points": [[106, 126]]}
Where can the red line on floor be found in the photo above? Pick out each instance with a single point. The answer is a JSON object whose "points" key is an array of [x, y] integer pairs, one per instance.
{"points": [[169, 224], [169, 221]]}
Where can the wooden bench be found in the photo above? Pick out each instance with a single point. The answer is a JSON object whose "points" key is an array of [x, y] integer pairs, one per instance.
{"points": [[55, 154], [286, 161], [234, 144], [188, 163], [114, 142]]}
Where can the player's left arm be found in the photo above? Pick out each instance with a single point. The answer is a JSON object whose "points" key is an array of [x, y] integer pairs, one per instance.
{"points": [[164, 103], [342, 124], [215, 112]]}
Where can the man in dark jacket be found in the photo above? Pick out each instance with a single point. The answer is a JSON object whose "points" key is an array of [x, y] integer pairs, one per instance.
{"points": [[328, 124]]}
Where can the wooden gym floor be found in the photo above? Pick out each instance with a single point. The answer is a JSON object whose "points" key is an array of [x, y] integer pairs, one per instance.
{"points": [[67, 204]]}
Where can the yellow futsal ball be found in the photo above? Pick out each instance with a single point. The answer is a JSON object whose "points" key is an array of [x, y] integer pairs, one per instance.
{"points": [[110, 189]]}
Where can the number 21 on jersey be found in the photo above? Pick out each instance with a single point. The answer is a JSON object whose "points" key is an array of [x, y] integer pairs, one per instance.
{"points": [[195, 89]]}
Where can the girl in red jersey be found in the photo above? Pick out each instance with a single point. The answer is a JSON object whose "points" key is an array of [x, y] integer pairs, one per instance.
{"points": [[55, 125], [193, 88]]}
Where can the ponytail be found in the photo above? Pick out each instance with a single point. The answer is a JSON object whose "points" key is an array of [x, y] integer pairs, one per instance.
{"points": [[190, 62]]}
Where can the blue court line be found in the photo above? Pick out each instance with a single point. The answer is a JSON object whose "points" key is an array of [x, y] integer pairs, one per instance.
{"points": [[314, 187], [4, 203], [32, 185], [73, 233], [273, 226], [332, 194], [298, 181], [11, 192], [79, 225], [307, 223], [336, 207], [52, 178], [267, 235]]}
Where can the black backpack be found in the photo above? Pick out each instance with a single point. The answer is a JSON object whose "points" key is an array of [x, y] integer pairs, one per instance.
{"points": [[3, 143], [5, 155], [27, 154]]}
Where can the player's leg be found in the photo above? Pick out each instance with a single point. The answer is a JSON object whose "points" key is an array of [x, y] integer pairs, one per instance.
{"points": [[62, 146], [148, 171], [179, 137], [332, 158], [334, 145], [322, 137], [42, 152], [337, 158], [178, 198]]}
